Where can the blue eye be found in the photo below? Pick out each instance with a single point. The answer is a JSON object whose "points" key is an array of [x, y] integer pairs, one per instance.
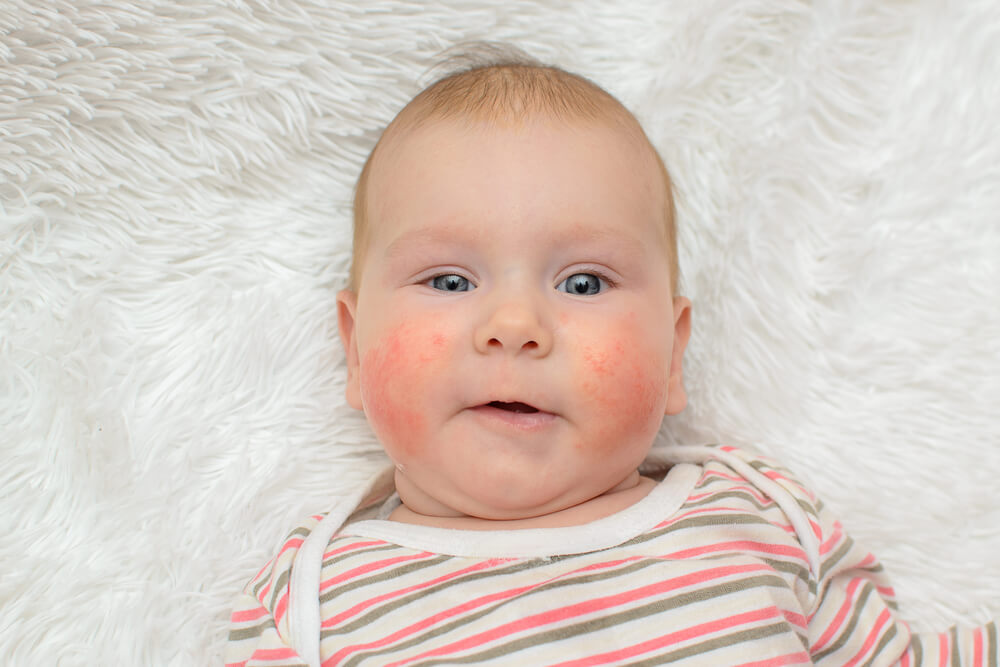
{"points": [[582, 284], [451, 282]]}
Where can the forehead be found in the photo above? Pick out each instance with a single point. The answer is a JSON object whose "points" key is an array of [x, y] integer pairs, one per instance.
{"points": [[540, 170]]}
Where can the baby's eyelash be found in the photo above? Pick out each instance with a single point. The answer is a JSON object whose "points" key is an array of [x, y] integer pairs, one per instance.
{"points": [[603, 275]]}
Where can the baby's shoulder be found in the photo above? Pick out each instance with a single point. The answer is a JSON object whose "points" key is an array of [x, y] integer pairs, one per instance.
{"points": [[737, 481], [281, 562], [729, 465]]}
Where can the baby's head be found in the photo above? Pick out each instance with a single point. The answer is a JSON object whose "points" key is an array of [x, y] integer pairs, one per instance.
{"points": [[504, 93], [511, 328]]}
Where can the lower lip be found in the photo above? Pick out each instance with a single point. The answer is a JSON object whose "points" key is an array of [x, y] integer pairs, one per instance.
{"points": [[524, 421]]}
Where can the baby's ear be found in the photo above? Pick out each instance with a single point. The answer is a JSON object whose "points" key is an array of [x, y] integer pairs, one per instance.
{"points": [[676, 396], [347, 304]]}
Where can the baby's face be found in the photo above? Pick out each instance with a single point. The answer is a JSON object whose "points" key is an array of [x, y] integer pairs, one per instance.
{"points": [[514, 342]]}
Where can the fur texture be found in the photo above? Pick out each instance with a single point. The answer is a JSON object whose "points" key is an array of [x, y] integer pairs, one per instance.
{"points": [[175, 182]]}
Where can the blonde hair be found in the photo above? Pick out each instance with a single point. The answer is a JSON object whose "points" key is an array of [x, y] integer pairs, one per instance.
{"points": [[502, 85]]}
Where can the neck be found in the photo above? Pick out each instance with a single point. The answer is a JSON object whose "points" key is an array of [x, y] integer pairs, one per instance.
{"points": [[625, 494]]}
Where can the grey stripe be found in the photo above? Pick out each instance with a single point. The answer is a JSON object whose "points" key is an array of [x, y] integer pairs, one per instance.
{"points": [[956, 658], [400, 570], [917, 646], [734, 639], [834, 558], [737, 494], [354, 553], [300, 531], [990, 638], [279, 586], [282, 580], [556, 635], [797, 568], [886, 639], [867, 590], [585, 627], [436, 631], [703, 521], [377, 613], [726, 483], [239, 634]]}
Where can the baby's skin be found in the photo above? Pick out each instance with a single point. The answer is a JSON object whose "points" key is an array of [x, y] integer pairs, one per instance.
{"points": [[514, 340]]}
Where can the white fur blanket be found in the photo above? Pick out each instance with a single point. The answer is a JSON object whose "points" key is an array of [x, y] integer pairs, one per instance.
{"points": [[175, 183]]}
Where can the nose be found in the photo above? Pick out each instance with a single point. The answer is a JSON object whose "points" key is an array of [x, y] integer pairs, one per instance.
{"points": [[514, 327]]}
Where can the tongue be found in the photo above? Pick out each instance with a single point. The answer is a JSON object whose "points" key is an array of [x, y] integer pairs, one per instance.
{"points": [[513, 407]]}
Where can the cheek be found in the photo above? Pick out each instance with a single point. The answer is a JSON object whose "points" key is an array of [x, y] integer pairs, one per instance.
{"points": [[624, 383], [395, 374]]}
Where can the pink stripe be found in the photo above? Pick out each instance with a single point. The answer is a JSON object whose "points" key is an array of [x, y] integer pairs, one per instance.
{"points": [[370, 567], [741, 485], [262, 595], [256, 577], [732, 477], [873, 636], [798, 620], [588, 607], [295, 542], [842, 613], [816, 528], [694, 632], [943, 649], [905, 660], [834, 541], [977, 647], [788, 528], [281, 607], [352, 546], [358, 608], [867, 562], [779, 477], [427, 622], [742, 546], [456, 611], [274, 654], [886, 592], [792, 658], [236, 664], [248, 615]]}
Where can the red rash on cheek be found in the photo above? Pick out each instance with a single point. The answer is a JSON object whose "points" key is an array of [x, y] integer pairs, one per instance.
{"points": [[603, 361], [625, 387], [395, 374]]}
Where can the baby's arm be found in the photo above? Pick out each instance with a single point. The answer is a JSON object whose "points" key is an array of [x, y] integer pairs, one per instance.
{"points": [[253, 636], [258, 627], [853, 619], [959, 646]]}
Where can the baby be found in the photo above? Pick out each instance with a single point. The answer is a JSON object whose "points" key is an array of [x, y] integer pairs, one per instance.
{"points": [[514, 336]]}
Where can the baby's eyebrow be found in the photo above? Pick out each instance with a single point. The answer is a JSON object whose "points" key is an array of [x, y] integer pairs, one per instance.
{"points": [[437, 235], [467, 235]]}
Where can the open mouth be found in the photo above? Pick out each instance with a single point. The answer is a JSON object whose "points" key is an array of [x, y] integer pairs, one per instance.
{"points": [[516, 406], [518, 415]]}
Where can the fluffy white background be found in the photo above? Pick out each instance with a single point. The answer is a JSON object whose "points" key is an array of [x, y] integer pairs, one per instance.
{"points": [[175, 180]]}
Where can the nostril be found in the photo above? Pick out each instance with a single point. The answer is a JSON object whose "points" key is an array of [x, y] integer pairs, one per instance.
{"points": [[512, 344]]}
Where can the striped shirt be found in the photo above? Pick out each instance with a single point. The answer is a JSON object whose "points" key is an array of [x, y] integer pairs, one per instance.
{"points": [[728, 561]]}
